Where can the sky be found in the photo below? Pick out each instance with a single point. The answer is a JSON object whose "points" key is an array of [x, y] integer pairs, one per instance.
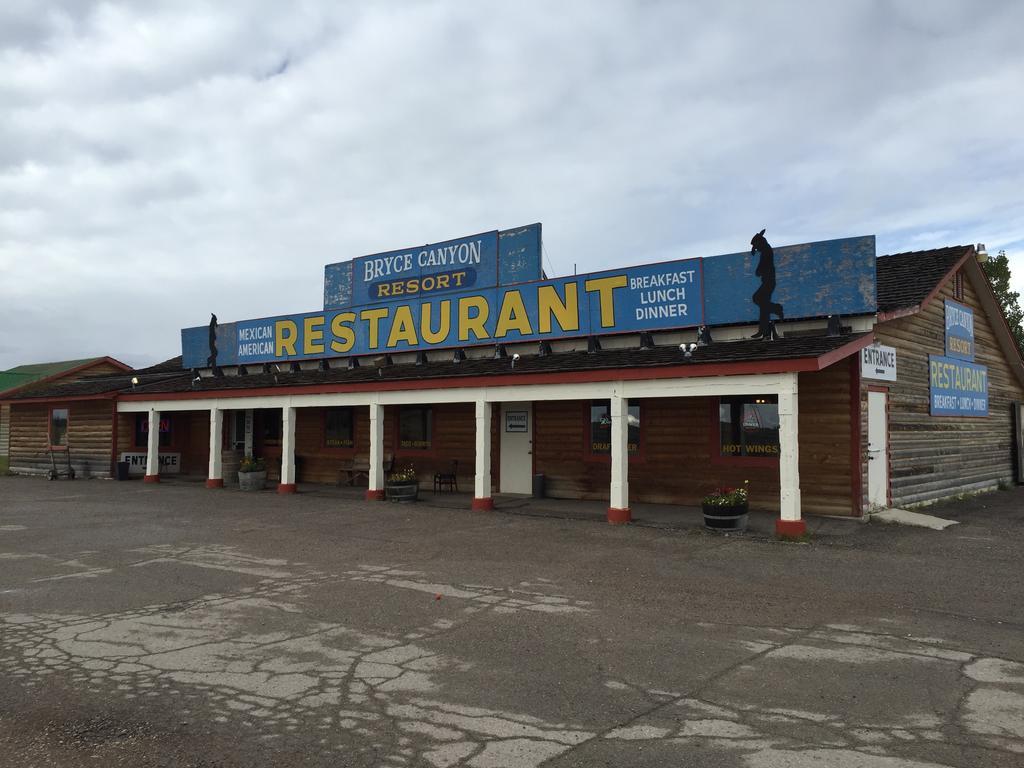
{"points": [[163, 160]]}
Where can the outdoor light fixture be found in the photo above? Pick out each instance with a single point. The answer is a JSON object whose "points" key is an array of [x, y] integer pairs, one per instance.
{"points": [[135, 380], [514, 358], [688, 349]]}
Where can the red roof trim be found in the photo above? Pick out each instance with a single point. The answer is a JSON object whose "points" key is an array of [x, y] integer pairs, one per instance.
{"points": [[687, 370]]}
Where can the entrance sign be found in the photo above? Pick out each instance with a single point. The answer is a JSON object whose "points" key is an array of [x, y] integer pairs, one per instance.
{"points": [[812, 280], [959, 331], [957, 388], [170, 463], [517, 421], [878, 362]]}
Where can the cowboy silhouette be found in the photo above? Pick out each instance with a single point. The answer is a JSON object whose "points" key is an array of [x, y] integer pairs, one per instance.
{"points": [[211, 361], [763, 296]]}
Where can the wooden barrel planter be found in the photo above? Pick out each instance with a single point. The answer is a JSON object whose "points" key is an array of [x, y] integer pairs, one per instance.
{"points": [[724, 517], [405, 492], [252, 481]]}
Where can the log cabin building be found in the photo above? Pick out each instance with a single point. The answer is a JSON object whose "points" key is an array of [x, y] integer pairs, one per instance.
{"points": [[891, 381]]}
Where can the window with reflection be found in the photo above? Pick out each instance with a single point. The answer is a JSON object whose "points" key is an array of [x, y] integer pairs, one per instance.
{"points": [[338, 428], [415, 428], [749, 426], [142, 430], [601, 428], [59, 427]]}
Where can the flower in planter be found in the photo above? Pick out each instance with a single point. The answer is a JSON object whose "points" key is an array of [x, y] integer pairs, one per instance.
{"points": [[727, 497], [252, 464], [405, 475]]}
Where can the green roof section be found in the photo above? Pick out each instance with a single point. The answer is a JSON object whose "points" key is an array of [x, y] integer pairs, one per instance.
{"points": [[21, 375]]}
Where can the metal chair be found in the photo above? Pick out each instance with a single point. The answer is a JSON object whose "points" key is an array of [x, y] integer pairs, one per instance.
{"points": [[449, 479]]}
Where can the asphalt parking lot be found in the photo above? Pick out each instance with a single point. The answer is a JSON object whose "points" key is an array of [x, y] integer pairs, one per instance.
{"points": [[172, 625]]}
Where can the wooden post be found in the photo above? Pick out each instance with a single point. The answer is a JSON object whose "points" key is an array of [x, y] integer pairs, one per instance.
{"points": [[215, 476], [375, 483], [790, 524], [287, 484], [482, 499], [618, 505], [153, 448]]}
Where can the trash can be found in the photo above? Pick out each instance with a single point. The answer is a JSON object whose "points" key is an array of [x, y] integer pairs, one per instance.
{"points": [[538, 486], [122, 470]]}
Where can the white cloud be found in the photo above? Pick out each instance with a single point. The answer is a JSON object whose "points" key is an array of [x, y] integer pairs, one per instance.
{"points": [[162, 160]]}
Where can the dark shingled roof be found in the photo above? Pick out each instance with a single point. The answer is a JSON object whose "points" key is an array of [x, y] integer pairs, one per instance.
{"points": [[103, 384], [796, 347], [906, 279]]}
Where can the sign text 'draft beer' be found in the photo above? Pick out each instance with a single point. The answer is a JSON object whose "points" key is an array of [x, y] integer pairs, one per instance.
{"points": [[399, 302]]}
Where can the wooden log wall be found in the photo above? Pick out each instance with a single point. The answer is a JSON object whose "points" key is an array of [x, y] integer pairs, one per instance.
{"points": [[934, 457], [5, 429], [90, 436], [454, 438], [675, 465]]}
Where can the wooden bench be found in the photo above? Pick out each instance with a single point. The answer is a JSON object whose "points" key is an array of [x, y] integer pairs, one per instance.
{"points": [[358, 468]]}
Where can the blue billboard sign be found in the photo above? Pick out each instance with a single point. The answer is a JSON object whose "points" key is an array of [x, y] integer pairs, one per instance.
{"points": [[813, 280], [959, 331], [956, 387], [462, 264]]}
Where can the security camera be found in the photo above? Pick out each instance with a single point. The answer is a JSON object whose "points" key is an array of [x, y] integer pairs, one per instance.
{"points": [[693, 347], [514, 358], [682, 347]]}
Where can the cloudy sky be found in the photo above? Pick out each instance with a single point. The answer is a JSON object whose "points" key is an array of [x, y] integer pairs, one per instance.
{"points": [[162, 160]]}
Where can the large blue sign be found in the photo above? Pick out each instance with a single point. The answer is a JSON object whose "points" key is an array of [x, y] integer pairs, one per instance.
{"points": [[814, 280], [959, 331], [957, 388]]}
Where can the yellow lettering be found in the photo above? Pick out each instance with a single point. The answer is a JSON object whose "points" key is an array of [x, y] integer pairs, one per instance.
{"points": [[458, 278], [550, 305], [384, 289], [403, 328], [427, 331], [442, 281], [341, 330], [604, 287], [512, 316], [476, 322], [397, 289], [313, 335], [284, 343], [373, 317]]}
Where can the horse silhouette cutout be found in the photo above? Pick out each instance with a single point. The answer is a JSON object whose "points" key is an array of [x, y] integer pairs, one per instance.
{"points": [[763, 296], [211, 361]]}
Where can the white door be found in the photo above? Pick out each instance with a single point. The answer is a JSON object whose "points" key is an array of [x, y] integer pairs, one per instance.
{"points": [[878, 450], [516, 448]]}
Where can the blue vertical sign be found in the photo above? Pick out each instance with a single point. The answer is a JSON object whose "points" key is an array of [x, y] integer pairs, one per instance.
{"points": [[959, 331]]}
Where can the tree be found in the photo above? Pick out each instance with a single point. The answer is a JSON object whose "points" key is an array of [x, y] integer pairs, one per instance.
{"points": [[998, 270]]}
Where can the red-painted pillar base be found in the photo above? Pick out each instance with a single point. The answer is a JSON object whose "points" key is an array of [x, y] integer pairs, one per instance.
{"points": [[790, 529], [619, 516], [215, 482], [151, 479], [483, 505], [286, 488], [373, 494]]}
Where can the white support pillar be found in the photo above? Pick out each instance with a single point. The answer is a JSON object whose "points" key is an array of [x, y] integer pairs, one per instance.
{"points": [[215, 476], [287, 484], [790, 523], [375, 484], [153, 448], [482, 499], [248, 431], [618, 503]]}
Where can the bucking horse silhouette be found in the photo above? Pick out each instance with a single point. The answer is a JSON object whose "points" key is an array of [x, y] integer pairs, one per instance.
{"points": [[763, 296]]}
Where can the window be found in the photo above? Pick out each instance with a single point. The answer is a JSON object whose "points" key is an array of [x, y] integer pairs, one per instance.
{"points": [[338, 428], [59, 427], [272, 421], [415, 428], [749, 427], [142, 430], [238, 430], [601, 428]]}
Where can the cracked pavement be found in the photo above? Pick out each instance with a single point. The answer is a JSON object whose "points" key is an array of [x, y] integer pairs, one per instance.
{"points": [[172, 625]]}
